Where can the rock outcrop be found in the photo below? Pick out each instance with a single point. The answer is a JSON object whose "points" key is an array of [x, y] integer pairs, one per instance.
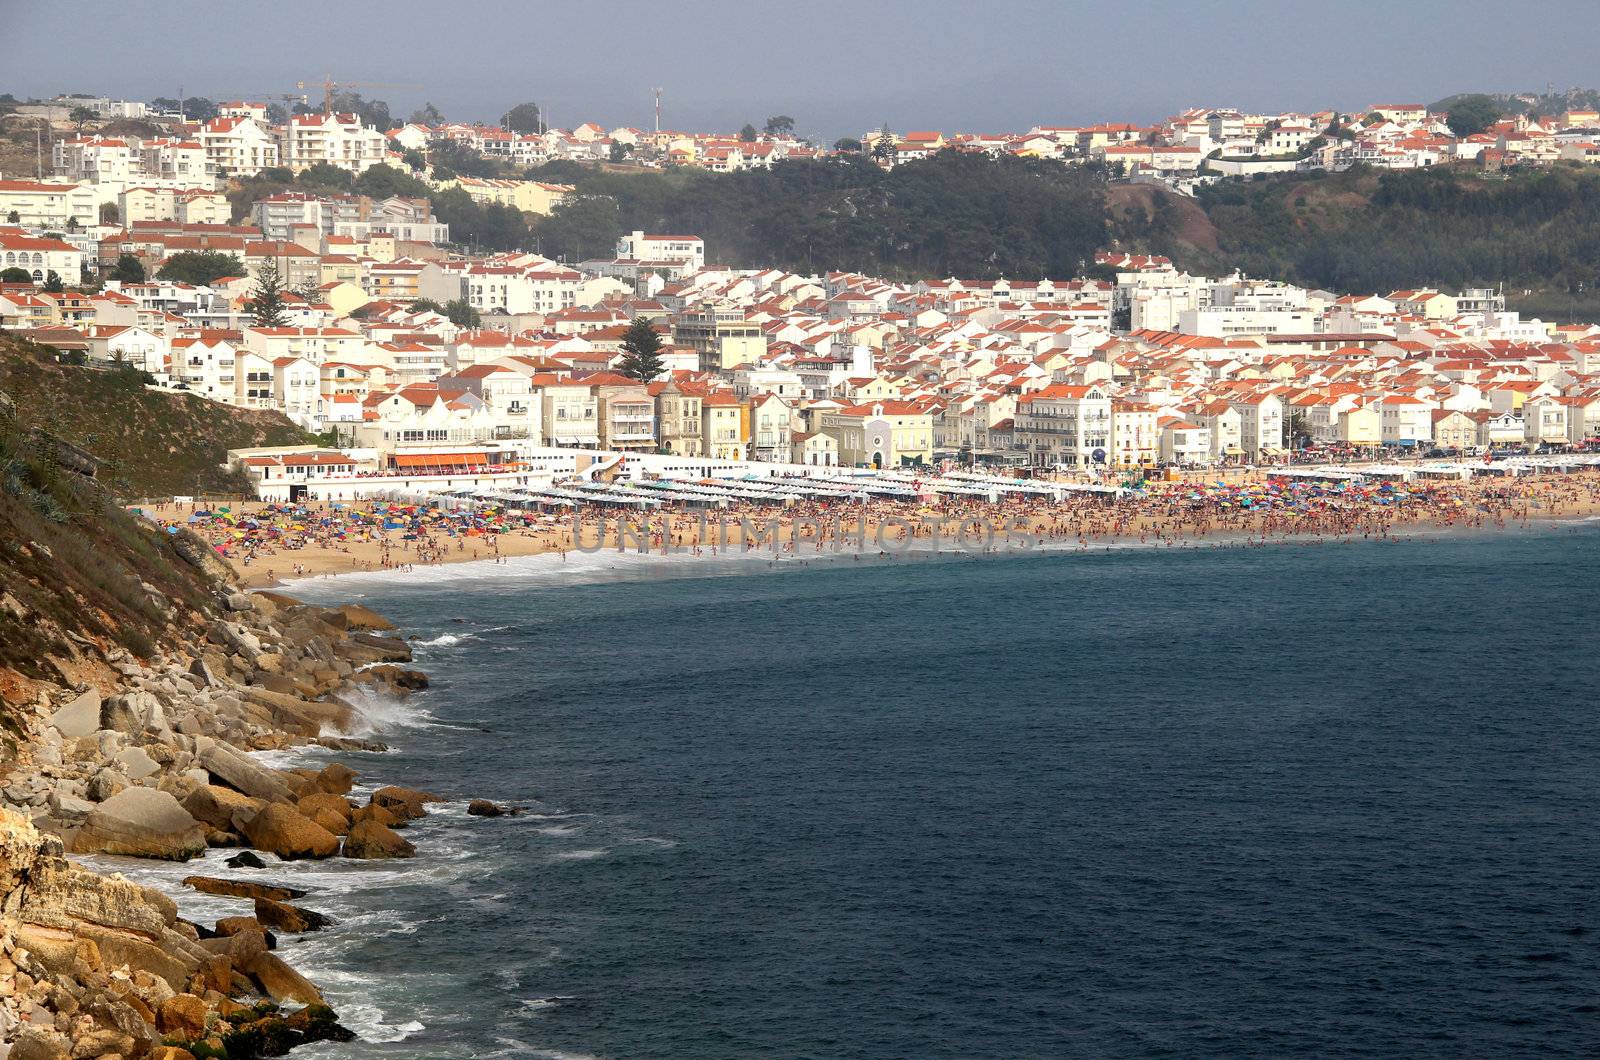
{"points": [[369, 839], [142, 823], [151, 759]]}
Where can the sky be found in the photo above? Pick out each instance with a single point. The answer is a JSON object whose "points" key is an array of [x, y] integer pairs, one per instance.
{"points": [[839, 67]]}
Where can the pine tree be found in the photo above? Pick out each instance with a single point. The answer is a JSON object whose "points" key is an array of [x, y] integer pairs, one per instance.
{"points": [[266, 305], [641, 351]]}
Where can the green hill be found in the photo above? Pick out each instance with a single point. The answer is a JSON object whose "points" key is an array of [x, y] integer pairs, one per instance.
{"points": [[1536, 232], [153, 443]]}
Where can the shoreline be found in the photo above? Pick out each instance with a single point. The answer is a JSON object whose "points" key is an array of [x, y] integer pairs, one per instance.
{"points": [[193, 769], [875, 532]]}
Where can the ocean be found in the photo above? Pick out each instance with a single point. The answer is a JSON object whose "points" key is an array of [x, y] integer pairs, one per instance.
{"points": [[1337, 800]]}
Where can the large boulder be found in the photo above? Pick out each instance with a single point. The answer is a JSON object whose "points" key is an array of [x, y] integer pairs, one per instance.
{"points": [[280, 916], [289, 834], [216, 805], [136, 763], [280, 982], [141, 822], [242, 774], [405, 803], [336, 779], [241, 888], [80, 717], [358, 617], [485, 808], [182, 1016], [369, 840]]}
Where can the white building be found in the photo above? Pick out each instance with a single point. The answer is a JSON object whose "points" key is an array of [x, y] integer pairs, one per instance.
{"points": [[684, 253], [337, 139], [45, 204]]}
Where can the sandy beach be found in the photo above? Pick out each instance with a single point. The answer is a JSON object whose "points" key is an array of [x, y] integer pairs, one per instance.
{"points": [[270, 544]]}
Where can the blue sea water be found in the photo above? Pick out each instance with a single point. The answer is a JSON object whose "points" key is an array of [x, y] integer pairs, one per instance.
{"points": [[1284, 801]]}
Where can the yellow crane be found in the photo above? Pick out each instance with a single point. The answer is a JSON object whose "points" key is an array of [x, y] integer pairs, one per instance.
{"points": [[329, 86]]}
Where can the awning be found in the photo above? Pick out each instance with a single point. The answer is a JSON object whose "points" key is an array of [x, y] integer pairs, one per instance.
{"points": [[440, 459], [1233, 450]]}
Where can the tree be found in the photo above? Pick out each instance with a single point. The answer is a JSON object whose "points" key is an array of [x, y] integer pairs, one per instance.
{"points": [[15, 275], [847, 143], [199, 108], [53, 284], [641, 351], [109, 214], [14, 217], [128, 269], [1472, 114], [461, 314], [310, 291], [883, 147], [582, 227], [326, 175], [266, 302], [427, 115], [780, 125], [748, 134], [200, 268], [165, 105], [452, 158], [523, 118], [620, 151], [383, 181], [415, 160], [426, 305], [80, 116], [1299, 430], [1373, 119]]}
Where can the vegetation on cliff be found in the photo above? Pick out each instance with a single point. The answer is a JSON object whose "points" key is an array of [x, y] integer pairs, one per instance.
{"points": [[1537, 232], [77, 572], [152, 442]]}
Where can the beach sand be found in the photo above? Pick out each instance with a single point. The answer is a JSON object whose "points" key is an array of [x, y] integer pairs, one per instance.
{"points": [[1160, 517]]}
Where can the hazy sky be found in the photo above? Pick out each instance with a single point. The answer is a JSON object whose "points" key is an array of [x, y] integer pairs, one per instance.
{"points": [[837, 67]]}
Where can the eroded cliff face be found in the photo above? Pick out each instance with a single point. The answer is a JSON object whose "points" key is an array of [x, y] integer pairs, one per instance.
{"points": [[151, 760], [135, 680]]}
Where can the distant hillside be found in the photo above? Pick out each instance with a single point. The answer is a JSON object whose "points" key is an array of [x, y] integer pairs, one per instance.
{"points": [[155, 443], [1531, 103], [1537, 232], [948, 215]]}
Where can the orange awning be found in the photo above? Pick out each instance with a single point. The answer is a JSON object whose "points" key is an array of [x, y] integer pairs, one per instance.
{"points": [[440, 459]]}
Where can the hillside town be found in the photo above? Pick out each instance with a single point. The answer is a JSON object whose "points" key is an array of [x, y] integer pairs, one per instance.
{"points": [[408, 352]]}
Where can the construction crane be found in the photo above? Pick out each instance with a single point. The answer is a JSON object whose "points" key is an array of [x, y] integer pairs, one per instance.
{"points": [[329, 86]]}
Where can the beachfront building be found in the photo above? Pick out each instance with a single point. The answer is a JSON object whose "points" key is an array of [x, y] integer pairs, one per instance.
{"points": [[679, 420], [1544, 421], [1260, 425], [1065, 425], [881, 434], [570, 412], [1406, 421], [1184, 443], [1135, 438], [724, 426]]}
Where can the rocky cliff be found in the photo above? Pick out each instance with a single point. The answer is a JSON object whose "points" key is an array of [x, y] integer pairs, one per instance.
{"points": [[135, 681]]}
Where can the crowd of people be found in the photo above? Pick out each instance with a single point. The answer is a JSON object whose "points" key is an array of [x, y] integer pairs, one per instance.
{"points": [[270, 541]]}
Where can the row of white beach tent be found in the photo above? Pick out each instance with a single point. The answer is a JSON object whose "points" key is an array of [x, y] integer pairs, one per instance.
{"points": [[899, 485]]}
